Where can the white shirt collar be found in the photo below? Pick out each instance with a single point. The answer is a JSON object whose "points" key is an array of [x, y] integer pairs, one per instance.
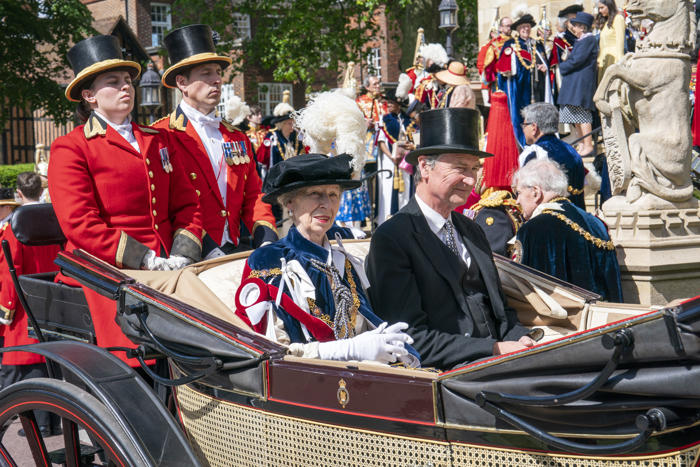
{"points": [[124, 129], [198, 117], [434, 218]]}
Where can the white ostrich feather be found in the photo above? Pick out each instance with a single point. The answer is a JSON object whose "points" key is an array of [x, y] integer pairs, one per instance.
{"points": [[334, 117], [282, 109], [236, 110], [404, 86], [434, 52], [520, 11]]}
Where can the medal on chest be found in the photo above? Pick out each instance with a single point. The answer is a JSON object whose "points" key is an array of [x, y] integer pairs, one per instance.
{"points": [[165, 160], [230, 153]]}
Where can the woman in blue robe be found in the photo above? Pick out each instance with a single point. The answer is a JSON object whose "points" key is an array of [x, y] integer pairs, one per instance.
{"points": [[301, 291]]}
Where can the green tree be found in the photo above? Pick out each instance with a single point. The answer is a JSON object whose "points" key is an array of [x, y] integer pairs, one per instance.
{"points": [[35, 36], [291, 38], [295, 38]]}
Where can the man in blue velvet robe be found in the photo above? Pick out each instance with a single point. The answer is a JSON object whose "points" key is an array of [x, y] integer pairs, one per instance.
{"points": [[523, 72], [540, 123], [561, 239]]}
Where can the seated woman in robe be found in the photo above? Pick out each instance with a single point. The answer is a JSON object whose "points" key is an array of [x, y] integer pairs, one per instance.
{"points": [[302, 292]]}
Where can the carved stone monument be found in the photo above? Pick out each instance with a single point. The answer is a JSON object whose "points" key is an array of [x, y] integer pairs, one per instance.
{"points": [[645, 111]]}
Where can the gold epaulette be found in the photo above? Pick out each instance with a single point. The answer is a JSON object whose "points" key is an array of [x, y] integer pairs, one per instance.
{"points": [[495, 199], [149, 130], [160, 119]]}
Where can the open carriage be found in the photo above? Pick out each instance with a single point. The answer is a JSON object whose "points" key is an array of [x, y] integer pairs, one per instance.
{"points": [[609, 384]]}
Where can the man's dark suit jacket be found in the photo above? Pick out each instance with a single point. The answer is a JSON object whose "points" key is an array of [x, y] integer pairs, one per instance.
{"points": [[413, 279]]}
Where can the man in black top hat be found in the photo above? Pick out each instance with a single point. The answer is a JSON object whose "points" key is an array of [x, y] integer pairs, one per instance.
{"points": [[432, 267], [218, 157]]}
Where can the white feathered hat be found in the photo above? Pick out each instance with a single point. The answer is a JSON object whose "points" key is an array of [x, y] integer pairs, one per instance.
{"points": [[236, 110], [332, 117], [434, 52], [283, 110], [404, 86], [521, 15]]}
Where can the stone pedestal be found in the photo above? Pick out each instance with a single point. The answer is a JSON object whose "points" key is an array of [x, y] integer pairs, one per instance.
{"points": [[658, 251]]}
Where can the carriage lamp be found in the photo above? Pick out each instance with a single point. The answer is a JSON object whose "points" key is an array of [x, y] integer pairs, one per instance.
{"points": [[448, 21], [150, 92]]}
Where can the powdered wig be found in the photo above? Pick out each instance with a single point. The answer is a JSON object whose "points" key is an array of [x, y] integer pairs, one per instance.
{"points": [[334, 118], [544, 173]]}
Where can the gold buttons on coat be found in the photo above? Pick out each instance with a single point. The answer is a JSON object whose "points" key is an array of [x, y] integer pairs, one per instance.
{"points": [[193, 176], [198, 193], [153, 200], [153, 187], [223, 213], [148, 161], [155, 226], [155, 213], [150, 173]]}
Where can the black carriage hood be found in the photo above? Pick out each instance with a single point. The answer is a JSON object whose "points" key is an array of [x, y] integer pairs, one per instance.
{"points": [[661, 368]]}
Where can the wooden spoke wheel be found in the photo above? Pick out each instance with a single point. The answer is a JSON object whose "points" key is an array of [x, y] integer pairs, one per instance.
{"points": [[91, 433]]}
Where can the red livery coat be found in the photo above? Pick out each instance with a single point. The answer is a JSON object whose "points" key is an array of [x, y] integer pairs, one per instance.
{"points": [[27, 260], [116, 204], [244, 188]]}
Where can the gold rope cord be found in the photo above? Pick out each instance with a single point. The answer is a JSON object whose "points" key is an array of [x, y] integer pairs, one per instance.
{"points": [[227, 434]]}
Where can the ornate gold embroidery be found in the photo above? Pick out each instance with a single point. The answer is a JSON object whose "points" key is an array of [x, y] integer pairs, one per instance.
{"points": [[602, 244], [262, 273], [316, 311], [573, 190]]}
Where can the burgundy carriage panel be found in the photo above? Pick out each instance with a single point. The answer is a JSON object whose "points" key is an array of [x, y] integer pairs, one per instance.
{"points": [[391, 397]]}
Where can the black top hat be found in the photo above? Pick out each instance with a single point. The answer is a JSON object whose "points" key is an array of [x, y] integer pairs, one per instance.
{"points": [[308, 170], [452, 130], [7, 197], [187, 46], [583, 18], [524, 19], [93, 56], [390, 95], [570, 10]]}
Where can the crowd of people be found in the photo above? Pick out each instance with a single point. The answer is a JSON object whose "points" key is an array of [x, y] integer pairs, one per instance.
{"points": [[196, 186]]}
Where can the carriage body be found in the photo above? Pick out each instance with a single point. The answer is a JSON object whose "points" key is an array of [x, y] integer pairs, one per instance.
{"points": [[249, 403]]}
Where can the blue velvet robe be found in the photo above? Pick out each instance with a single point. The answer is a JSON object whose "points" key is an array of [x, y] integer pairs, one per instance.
{"points": [[564, 154], [517, 87], [295, 247], [555, 248]]}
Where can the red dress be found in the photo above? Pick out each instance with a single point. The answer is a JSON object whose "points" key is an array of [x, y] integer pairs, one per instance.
{"points": [[27, 260], [244, 188], [116, 203]]}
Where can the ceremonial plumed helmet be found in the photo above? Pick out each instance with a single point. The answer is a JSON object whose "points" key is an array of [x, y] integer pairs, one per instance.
{"points": [[93, 56], [188, 46]]}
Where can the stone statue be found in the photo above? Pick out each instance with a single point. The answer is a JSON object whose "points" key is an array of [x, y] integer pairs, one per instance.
{"points": [[648, 90]]}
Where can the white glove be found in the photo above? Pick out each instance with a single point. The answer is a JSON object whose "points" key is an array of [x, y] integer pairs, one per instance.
{"points": [[152, 262], [215, 253], [383, 344], [176, 262]]}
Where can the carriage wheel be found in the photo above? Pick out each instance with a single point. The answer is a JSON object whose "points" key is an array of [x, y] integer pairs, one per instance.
{"points": [[88, 427]]}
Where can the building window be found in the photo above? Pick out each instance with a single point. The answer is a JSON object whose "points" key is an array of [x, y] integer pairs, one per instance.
{"points": [[374, 62], [270, 94], [160, 22], [227, 92], [241, 26]]}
